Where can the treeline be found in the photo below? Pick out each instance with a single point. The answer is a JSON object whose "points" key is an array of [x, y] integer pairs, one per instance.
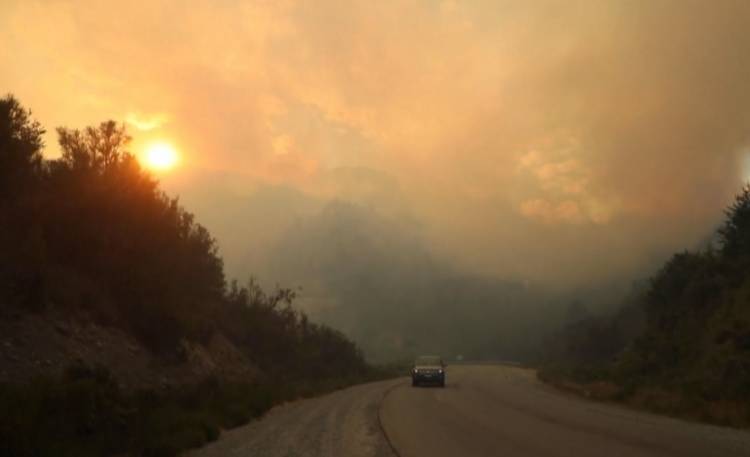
{"points": [[91, 233], [681, 344]]}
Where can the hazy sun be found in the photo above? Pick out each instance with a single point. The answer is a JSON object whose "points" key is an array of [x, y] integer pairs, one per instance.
{"points": [[161, 156]]}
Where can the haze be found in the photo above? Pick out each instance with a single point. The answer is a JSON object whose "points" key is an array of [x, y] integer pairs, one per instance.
{"points": [[345, 146]]}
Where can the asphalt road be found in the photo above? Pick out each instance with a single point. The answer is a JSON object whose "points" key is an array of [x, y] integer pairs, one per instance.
{"points": [[505, 411], [482, 411]]}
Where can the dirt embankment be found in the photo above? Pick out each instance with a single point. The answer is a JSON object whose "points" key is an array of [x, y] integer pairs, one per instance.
{"points": [[49, 342]]}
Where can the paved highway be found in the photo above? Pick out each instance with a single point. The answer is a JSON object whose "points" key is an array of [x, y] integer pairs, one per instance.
{"points": [[505, 411], [483, 411]]}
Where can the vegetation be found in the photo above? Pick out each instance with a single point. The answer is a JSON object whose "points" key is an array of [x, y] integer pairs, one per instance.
{"points": [[92, 233], [86, 414], [690, 355]]}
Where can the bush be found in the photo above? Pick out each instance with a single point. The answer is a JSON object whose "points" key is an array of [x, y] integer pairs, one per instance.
{"points": [[84, 413]]}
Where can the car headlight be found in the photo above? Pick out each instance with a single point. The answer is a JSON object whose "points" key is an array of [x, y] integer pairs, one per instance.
{"points": [[440, 371]]}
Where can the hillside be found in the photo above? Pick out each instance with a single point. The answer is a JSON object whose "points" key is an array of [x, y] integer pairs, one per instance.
{"points": [[48, 342], [115, 312], [681, 344]]}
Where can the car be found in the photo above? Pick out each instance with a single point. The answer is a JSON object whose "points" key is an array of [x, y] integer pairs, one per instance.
{"points": [[428, 369]]}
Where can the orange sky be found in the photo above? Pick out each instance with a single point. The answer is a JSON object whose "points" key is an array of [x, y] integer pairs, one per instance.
{"points": [[551, 140]]}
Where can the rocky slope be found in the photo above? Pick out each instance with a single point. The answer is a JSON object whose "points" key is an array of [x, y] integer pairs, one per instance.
{"points": [[49, 342]]}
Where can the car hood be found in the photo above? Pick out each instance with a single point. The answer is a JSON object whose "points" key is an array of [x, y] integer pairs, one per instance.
{"points": [[428, 367]]}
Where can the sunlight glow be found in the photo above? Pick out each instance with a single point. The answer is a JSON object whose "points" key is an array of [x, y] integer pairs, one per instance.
{"points": [[161, 156]]}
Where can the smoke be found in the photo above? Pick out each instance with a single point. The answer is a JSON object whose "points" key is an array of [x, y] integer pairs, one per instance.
{"points": [[562, 143]]}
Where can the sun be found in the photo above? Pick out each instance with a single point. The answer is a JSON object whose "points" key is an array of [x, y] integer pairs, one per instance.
{"points": [[161, 156]]}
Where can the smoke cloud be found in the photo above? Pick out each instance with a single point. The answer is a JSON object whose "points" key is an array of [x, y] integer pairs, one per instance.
{"points": [[559, 142]]}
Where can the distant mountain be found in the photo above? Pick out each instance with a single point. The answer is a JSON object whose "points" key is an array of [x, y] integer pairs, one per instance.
{"points": [[371, 275]]}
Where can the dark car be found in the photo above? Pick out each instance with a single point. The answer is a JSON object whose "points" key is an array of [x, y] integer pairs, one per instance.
{"points": [[428, 369]]}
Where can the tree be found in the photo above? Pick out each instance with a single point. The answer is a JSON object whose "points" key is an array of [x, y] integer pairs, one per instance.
{"points": [[21, 169], [734, 234], [20, 148], [95, 148]]}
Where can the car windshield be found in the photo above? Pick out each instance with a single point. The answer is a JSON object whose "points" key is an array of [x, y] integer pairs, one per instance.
{"points": [[428, 360]]}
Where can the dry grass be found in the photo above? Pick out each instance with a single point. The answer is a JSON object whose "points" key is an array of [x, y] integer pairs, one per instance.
{"points": [[661, 401]]}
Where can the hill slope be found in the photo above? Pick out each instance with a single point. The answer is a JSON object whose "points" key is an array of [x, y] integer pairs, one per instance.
{"points": [[689, 351], [115, 312]]}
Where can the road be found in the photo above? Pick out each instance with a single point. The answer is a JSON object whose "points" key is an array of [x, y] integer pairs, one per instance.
{"points": [[343, 423], [482, 411]]}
